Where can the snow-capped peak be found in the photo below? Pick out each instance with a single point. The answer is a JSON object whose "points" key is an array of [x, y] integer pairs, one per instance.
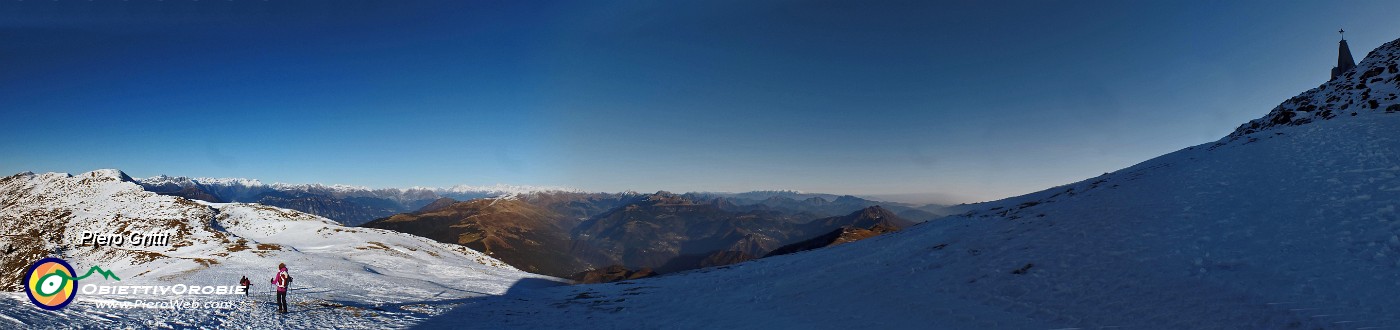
{"points": [[1371, 88], [188, 181], [108, 174]]}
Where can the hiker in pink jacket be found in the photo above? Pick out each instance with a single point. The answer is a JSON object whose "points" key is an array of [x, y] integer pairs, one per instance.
{"points": [[281, 281]]}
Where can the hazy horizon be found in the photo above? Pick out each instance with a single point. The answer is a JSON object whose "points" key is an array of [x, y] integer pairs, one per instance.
{"points": [[910, 198]]}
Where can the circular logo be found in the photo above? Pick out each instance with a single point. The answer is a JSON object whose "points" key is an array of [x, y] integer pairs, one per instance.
{"points": [[50, 284]]}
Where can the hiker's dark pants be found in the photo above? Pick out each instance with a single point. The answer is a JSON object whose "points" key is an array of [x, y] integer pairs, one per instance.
{"points": [[282, 301], [245, 290]]}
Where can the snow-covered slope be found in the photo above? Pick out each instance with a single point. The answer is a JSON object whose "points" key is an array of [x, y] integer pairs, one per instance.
{"points": [[1279, 226], [349, 269]]}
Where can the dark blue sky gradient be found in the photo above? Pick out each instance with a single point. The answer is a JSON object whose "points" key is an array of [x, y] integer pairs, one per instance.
{"points": [[959, 101]]}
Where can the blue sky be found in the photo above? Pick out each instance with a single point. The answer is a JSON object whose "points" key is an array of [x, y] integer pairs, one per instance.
{"points": [[947, 101]]}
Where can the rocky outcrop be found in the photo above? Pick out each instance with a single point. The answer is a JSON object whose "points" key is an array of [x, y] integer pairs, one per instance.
{"points": [[1369, 89]]}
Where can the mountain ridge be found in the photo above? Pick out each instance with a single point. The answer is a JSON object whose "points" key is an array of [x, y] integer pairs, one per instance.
{"points": [[1369, 88], [209, 242], [355, 205]]}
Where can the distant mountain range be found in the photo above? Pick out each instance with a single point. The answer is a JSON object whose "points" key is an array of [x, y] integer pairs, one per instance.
{"points": [[566, 233], [355, 205], [350, 205], [563, 232]]}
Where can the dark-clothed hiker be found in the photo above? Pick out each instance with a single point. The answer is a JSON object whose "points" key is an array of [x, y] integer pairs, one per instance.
{"points": [[246, 285], [281, 281]]}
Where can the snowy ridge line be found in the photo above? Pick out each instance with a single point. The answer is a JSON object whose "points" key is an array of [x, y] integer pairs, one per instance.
{"points": [[498, 188]]}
